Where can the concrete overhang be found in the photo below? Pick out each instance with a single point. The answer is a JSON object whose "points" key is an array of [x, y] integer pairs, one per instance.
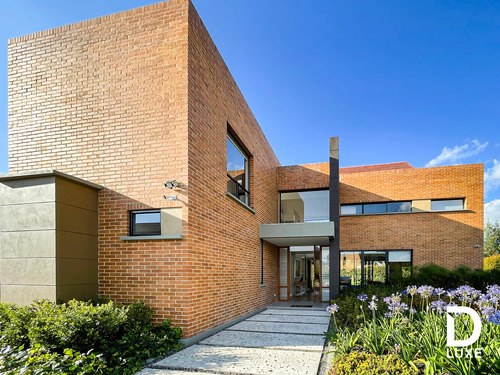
{"points": [[298, 234]]}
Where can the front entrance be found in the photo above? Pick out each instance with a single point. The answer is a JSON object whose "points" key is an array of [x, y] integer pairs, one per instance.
{"points": [[304, 273]]}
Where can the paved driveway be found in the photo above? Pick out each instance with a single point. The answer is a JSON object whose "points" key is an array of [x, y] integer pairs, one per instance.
{"points": [[277, 341]]}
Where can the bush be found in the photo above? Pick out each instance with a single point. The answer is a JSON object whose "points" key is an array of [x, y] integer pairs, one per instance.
{"points": [[81, 338], [41, 361], [76, 325], [492, 263], [441, 277], [369, 364]]}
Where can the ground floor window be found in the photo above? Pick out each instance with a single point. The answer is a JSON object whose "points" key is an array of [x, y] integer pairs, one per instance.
{"points": [[373, 267]]}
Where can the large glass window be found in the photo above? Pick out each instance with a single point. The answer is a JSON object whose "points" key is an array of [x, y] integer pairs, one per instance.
{"points": [[447, 205], [145, 223], [350, 268], [375, 208], [237, 171], [373, 267], [304, 206]]}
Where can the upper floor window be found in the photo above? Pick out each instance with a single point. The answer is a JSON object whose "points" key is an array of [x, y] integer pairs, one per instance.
{"points": [[238, 171], [304, 206], [447, 205], [375, 208], [145, 223]]}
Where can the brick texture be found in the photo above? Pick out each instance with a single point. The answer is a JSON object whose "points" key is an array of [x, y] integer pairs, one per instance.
{"points": [[107, 100], [447, 239]]}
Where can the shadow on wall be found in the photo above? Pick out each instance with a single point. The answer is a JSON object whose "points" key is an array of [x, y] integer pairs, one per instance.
{"points": [[447, 239], [151, 270]]}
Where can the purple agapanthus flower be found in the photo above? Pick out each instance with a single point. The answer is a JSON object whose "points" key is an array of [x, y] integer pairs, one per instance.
{"points": [[495, 318], [362, 297], [439, 306], [332, 309]]}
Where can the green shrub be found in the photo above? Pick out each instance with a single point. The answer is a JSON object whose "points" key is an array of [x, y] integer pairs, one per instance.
{"points": [[14, 324], [41, 361], [138, 316], [76, 325], [370, 364], [441, 277], [81, 338], [492, 263]]}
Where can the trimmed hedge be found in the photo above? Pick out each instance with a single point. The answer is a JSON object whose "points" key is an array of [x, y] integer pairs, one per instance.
{"points": [[81, 338], [441, 277]]}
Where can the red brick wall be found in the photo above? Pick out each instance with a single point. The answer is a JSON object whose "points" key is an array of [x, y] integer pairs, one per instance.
{"points": [[106, 100], [225, 244], [448, 239]]}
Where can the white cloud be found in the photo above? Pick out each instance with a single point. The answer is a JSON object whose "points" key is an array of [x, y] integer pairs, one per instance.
{"points": [[456, 153], [492, 177], [492, 211]]}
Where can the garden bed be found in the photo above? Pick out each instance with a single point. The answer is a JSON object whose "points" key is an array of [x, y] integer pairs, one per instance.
{"points": [[81, 338]]}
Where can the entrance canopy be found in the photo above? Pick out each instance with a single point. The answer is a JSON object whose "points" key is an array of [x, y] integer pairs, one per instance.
{"points": [[298, 234]]}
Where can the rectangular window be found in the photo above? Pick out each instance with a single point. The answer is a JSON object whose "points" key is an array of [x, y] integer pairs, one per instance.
{"points": [[373, 267], [145, 223], [305, 206], [238, 183], [351, 209], [447, 205], [399, 207], [375, 208]]}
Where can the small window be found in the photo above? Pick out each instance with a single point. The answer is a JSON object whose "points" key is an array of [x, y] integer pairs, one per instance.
{"points": [[351, 209], [145, 223], [447, 205], [399, 207], [375, 208], [238, 174]]}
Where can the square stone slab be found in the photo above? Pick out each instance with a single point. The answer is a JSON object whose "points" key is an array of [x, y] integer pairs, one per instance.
{"points": [[278, 341], [243, 360], [290, 318], [155, 371], [272, 327], [295, 312]]}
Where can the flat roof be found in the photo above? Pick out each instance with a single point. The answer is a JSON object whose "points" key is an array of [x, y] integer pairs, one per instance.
{"points": [[48, 173]]}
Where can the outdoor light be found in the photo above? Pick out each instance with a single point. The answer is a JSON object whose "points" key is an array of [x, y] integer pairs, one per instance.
{"points": [[171, 184], [170, 197]]}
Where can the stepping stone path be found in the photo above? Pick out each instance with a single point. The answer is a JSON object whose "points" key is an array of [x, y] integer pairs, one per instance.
{"points": [[276, 341]]}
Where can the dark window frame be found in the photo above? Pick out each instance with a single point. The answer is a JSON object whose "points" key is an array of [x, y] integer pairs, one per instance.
{"points": [[362, 258], [133, 214], [375, 213], [239, 186]]}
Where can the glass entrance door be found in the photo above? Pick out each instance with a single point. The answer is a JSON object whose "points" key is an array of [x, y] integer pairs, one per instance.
{"points": [[374, 265]]}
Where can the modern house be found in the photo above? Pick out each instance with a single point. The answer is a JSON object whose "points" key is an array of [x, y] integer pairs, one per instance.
{"points": [[137, 171]]}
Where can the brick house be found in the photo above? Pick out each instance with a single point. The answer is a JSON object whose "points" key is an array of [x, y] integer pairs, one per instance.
{"points": [[137, 171]]}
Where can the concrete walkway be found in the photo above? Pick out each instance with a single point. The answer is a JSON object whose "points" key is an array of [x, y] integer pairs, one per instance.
{"points": [[277, 341]]}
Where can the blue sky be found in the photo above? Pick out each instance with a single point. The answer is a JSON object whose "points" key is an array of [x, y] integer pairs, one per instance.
{"points": [[396, 80]]}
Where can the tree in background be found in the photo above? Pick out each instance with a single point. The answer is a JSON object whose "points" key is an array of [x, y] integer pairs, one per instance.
{"points": [[491, 239]]}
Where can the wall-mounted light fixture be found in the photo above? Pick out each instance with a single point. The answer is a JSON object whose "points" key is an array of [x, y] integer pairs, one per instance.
{"points": [[170, 197], [171, 184]]}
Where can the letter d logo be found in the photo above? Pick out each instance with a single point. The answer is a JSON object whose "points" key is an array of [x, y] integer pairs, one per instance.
{"points": [[450, 326]]}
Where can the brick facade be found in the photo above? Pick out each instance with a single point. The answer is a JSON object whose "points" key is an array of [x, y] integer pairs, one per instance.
{"points": [[134, 99], [447, 239], [106, 100]]}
